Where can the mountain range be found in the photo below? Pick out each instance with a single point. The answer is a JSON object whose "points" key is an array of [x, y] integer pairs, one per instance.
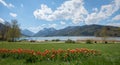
{"points": [[46, 32], [86, 30], [26, 32]]}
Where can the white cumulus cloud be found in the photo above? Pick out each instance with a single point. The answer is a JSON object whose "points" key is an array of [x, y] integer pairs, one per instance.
{"points": [[2, 20], [13, 14], [43, 13], [9, 5], [69, 10], [105, 12], [62, 22], [114, 24], [75, 11], [36, 29], [116, 18], [52, 25]]}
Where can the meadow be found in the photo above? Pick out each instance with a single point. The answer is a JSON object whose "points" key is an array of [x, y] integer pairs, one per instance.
{"points": [[110, 53]]}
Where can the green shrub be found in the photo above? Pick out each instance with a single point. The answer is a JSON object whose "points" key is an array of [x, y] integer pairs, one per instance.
{"points": [[56, 40], [69, 41], [105, 42], [46, 40], [89, 42]]}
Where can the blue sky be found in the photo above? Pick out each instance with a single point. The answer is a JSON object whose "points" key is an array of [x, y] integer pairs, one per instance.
{"points": [[38, 14]]}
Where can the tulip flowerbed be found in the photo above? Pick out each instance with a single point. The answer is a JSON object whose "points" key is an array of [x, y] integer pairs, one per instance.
{"points": [[48, 55]]}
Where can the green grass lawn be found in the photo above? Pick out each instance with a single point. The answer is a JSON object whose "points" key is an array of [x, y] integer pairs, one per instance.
{"points": [[110, 53]]}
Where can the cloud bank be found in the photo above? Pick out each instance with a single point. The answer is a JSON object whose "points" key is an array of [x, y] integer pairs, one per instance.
{"points": [[9, 5], [13, 14], [2, 20], [75, 11], [116, 18]]}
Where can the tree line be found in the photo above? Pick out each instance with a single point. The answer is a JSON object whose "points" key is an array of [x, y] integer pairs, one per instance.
{"points": [[10, 31]]}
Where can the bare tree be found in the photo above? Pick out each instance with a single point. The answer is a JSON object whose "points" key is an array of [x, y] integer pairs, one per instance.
{"points": [[104, 34], [4, 29], [14, 31], [10, 31]]}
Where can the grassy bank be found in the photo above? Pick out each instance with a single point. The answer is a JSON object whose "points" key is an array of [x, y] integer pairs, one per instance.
{"points": [[110, 53]]}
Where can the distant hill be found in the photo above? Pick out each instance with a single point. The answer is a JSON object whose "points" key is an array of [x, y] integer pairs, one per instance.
{"points": [[86, 30], [26, 32], [46, 32]]}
